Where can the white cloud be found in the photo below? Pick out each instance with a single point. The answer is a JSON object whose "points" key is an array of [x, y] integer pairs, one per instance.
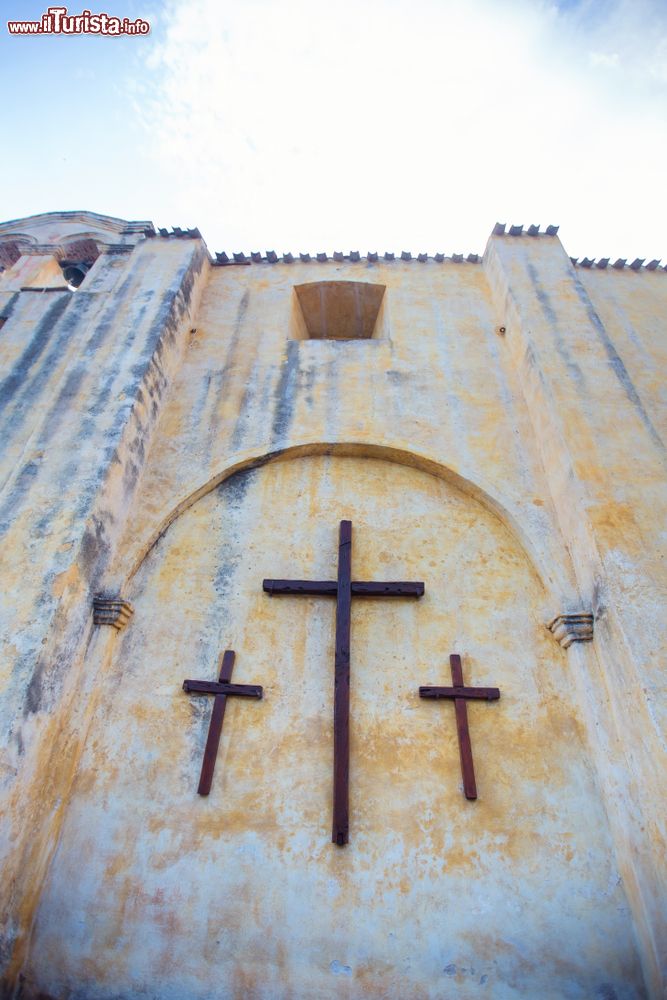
{"points": [[387, 125], [606, 59]]}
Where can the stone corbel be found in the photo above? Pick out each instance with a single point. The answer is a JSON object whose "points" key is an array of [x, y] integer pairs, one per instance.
{"points": [[111, 611], [571, 628]]}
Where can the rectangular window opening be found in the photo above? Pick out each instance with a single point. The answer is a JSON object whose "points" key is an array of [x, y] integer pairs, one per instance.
{"points": [[338, 310]]}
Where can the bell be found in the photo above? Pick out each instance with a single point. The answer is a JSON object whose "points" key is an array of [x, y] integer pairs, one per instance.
{"points": [[74, 273]]}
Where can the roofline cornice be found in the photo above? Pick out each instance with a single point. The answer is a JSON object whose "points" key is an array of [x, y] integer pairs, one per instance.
{"points": [[91, 220]]}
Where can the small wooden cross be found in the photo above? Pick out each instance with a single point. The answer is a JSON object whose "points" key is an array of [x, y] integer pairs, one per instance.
{"points": [[221, 689], [343, 589], [460, 693]]}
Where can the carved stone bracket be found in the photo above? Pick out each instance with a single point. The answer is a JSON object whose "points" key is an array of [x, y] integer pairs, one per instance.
{"points": [[111, 611], [572, 628]]}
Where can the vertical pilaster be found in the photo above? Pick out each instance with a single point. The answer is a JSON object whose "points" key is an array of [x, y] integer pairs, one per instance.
{"points": [[83, 396], [605, 464]]}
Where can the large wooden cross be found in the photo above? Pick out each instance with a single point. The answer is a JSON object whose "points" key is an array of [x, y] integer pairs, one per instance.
{"points": [[343, 589], [459, 693], [222, 689]]}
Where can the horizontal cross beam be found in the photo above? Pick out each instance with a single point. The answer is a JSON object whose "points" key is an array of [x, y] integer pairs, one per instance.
{"points": [[482, 694], [215, 687], [329, 588]]}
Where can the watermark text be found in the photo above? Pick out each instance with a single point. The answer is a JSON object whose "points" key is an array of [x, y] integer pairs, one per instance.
{"points": [[57, 21]]}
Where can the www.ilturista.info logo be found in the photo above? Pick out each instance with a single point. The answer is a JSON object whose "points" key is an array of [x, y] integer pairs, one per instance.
{"points": [[56, 21]]}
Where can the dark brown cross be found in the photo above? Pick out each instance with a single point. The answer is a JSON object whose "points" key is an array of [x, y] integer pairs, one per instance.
{"points": [[343, 589], [460, 693], [222, 689]]}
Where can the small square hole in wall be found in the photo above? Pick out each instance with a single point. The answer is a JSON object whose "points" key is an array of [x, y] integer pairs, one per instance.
{"points": [[338, 310]]}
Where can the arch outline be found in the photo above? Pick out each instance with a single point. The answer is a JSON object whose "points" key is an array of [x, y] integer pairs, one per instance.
{"points": [[556, 576]]}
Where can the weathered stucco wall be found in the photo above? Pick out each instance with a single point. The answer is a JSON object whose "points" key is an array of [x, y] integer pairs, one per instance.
{"points": [[436, 387], [604, 461], [136, 403], [85, 372], [632, 308], [242, 894]]}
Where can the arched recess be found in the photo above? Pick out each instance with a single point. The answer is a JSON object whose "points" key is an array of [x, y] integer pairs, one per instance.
{"points": [[12, 247], [183, 888], [84, 247], [535, 529]]}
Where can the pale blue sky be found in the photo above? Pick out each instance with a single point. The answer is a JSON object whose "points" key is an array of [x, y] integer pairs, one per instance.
{"points": [[361, 124]]}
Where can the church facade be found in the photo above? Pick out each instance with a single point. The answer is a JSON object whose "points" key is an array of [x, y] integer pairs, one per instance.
{"points": [[421, 503]]}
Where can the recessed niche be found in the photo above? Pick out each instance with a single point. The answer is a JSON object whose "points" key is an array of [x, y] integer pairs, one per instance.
{"points": [[338, 310], [80, 255], [9, 254]]}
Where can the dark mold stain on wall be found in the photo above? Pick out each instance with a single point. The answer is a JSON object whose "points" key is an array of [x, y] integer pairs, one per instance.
{"points": [[617, 365], [92, 536], [18, 492], [552, 318], [7, 309], [221, 377], [16, 380], [285, 393], [241, 423]]}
